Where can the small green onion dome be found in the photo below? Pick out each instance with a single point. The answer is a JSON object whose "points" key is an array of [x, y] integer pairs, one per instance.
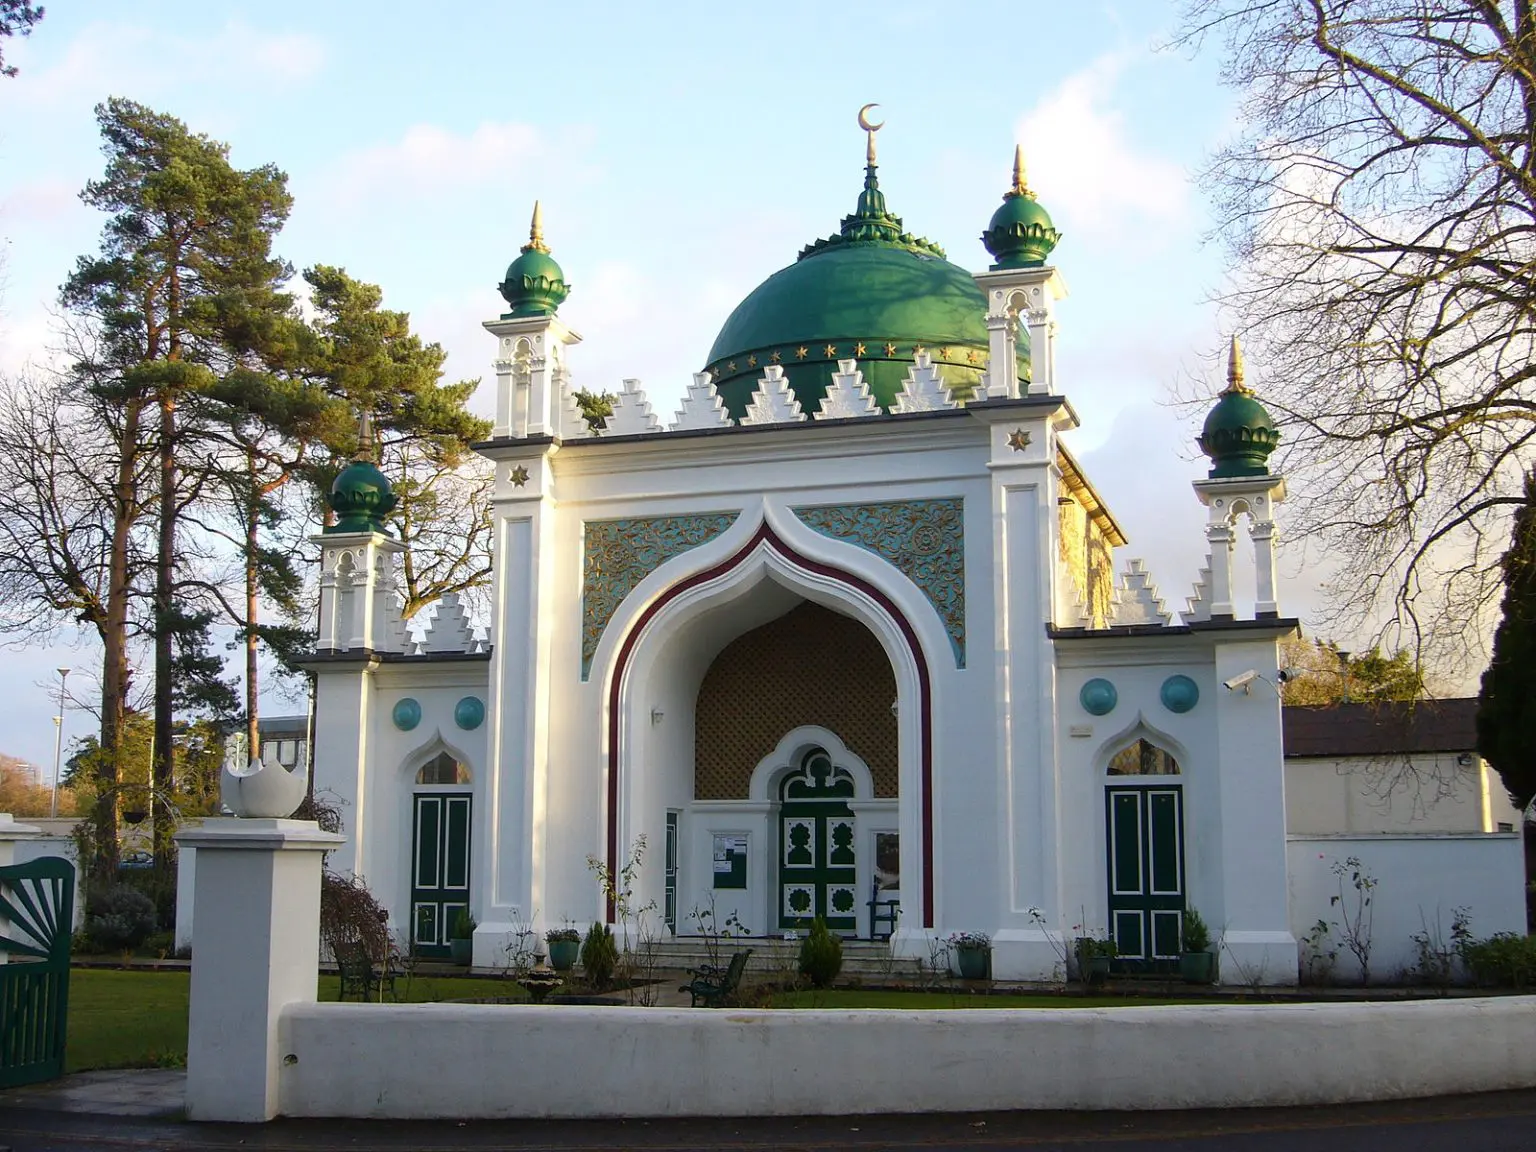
{"points": [[1239, 434], [534, 285], [1021, 234], [361, 495]]}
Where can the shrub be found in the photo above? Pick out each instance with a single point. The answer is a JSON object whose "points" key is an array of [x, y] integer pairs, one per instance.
{"points": [[565, 935], [1197, 937], [821, 955], [599, 955], [160, 887], [350, 914], [1503, 960], [120, 918], [464, 925]]}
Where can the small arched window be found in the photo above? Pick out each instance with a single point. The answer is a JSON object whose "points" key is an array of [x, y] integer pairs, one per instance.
{"points": [[1143, 758], [442, 769]]}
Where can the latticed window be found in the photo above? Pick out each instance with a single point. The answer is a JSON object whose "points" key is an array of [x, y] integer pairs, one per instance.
{"points": [[442, 769], [1143, 758]]}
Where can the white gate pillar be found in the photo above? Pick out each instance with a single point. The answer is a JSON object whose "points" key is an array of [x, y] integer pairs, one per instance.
{"points": [[257, 909]]}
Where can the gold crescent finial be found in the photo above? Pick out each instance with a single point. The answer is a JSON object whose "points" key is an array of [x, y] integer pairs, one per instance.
{"points": [[871, 129], [536, 231], [1020, 186], [1235, 367]]}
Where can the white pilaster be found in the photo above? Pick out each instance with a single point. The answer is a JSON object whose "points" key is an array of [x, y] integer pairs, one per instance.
{"points": [[1024, 296], [1220, 537], [358, 607], [257, 910], [530, 359], [1230, 500]]}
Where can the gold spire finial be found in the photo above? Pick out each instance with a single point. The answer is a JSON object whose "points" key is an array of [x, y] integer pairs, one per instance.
{"points": [[1235, 368], [364, 451], [1020, 186], [870, 130], [536, 232]]}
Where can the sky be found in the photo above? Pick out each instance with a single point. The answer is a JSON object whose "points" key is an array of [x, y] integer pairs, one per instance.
{"points": [[682, 153]]}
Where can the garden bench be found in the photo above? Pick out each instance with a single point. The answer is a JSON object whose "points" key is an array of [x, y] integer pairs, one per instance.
{"points": [[360, 977], [713, 985]]}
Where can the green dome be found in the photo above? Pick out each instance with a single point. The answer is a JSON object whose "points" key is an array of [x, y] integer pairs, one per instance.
{"points": [[361, 497], [534, 284], [871, 293], [1239, 434], [1020, 234]]}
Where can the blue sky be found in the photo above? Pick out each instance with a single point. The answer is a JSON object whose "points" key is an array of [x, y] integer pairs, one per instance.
{"points": [[682, 153]]}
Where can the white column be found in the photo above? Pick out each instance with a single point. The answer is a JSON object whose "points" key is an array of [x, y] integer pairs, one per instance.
{"points": [[356, 607], [10, 833], [1220, 536], [528, 378], [1263, 533], [1252, 910], [257, 909], [1002, 354], [1027, 296]]}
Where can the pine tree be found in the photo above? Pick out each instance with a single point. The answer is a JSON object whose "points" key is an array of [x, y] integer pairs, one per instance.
{"points": [[1506, 712]]}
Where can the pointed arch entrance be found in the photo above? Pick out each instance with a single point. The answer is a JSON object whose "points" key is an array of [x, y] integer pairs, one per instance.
{"points": [[768, 553]]}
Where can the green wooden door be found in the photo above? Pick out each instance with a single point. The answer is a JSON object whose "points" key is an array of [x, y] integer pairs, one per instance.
{"points": [[36, 920], [1145, 843], [439, 868], [818, 873]]}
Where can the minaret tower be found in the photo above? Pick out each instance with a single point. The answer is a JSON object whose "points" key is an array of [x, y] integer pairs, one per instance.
{"points": [[530, 363], [1021, 289], [1238, 437]]}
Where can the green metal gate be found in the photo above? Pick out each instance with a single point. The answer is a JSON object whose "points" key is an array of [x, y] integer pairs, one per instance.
{"points": [[37, 903], [1146, 876]]}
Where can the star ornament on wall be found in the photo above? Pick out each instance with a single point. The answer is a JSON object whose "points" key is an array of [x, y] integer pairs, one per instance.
{"points": [[519, 476], [1018, 440]]}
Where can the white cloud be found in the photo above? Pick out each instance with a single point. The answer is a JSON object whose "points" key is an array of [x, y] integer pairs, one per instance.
{"points": [[429, 160], [1086, 165]]}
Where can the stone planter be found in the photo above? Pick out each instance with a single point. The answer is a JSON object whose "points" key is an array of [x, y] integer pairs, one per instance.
{"points": [[972, 963], [1197, 967], [462, 950]]}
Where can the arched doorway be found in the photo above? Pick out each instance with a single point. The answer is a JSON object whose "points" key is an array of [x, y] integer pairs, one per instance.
{"points": [[440, 851], [1144, 843]]}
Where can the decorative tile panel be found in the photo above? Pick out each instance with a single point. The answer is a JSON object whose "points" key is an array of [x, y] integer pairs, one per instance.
{"points": [[923, 539], [618, 554]]}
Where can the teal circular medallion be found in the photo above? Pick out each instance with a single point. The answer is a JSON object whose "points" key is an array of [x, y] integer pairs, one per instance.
{"points": [[469, 713], [1099, 697], [1180, 693], [406, 714]]}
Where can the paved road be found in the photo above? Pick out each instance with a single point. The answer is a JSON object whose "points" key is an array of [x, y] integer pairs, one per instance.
{"points": [[1502, 1122]]}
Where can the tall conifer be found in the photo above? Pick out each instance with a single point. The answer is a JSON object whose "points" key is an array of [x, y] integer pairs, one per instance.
{"points": [[1506, 712]]}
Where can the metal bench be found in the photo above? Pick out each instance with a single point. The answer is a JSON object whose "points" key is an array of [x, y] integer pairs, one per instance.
{"points": [[713, 985], [359, 975]]}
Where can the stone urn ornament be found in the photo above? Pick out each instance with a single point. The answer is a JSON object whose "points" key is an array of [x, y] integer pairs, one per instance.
{"points": [[260, 791]]}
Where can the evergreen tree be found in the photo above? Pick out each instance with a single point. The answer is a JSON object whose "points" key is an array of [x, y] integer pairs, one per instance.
{"points": [[1506, 711], [16, 19], [183, 293]]}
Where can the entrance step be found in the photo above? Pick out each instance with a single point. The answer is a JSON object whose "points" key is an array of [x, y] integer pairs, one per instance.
{"points": [[771, 954]]}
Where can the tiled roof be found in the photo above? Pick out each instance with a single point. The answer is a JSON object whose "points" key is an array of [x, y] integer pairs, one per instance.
{"points": [[1377, 729]]}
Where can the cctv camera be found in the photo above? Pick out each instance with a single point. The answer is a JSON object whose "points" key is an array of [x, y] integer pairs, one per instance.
{"points": [[1241, 680]]}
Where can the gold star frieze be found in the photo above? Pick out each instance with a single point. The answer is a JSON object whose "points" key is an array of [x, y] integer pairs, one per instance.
{"points": [[972, 356], [918, 349], [802, 352], [731, 367], [943, 353], [858, 349], [519, 476], [1018, 440], [751, 361], [890, 349], [830, 351], [774, 357]]}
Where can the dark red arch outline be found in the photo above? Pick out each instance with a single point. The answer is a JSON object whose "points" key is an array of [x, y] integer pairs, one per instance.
{"points": [[924, 691]]}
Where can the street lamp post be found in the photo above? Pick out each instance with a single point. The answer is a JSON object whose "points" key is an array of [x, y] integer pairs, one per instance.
{"points": [[58, 743]]}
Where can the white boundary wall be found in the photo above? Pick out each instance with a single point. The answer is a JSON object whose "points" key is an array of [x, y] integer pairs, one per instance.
{"points": [[1421, 879], [488, 1061]]}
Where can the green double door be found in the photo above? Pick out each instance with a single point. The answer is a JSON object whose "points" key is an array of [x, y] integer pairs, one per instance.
{"points": [[439, 868], [818, 873], [1145, 842]]}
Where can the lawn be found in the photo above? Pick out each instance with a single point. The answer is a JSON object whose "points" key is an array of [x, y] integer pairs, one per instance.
{"points": [[122, 1019], [854, 998]]}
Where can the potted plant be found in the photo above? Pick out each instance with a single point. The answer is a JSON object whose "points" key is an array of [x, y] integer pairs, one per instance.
{"points": [[1093, 956], [461, 937], [564, 947], [1197, 964], [973, 954]]}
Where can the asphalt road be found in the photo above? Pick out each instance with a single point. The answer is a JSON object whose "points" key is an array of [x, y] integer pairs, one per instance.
{"points": [[1501, 1122]]}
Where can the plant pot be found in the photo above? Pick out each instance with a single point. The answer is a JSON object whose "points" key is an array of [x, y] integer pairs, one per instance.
{"points": [[563, 954], [972, 962], [1197, 967], [462, 950], [1095, 969]]}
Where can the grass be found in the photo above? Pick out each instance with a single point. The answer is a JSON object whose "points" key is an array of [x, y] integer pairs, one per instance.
{"points": [[121, 1019]]}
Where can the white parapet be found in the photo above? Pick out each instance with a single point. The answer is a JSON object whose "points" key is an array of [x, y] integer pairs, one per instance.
{"points": [[257, 911]]}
